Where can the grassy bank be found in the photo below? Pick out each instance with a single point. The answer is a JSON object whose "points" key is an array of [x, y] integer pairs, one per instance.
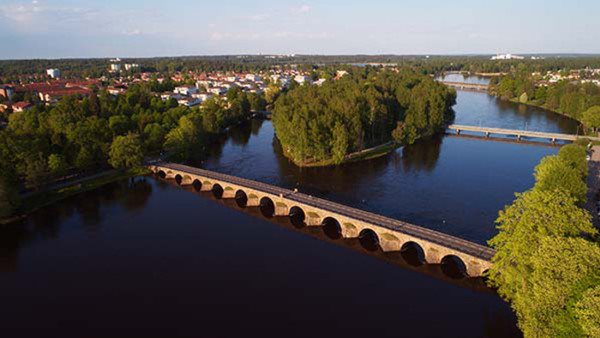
{"points": [[362, 155], [50, 196]]}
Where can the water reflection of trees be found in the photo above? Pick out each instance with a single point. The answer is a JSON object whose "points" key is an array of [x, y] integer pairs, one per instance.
{"points": [[238, 135], [423, 155], [45, 223]]}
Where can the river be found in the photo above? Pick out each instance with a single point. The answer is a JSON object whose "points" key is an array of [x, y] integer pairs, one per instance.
{"points": [[144, 257]]}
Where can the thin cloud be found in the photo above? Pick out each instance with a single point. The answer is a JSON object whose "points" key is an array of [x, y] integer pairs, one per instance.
{"points": [[303, 9]]}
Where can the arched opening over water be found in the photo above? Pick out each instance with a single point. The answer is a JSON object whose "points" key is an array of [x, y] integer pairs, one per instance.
{"points": [[413, 254], [267, 207], [369, 240], [297, 217], [217, 190], [454, 267], [197, 185], [332, 228], [162, 174], [178, 179], [241, 199]]}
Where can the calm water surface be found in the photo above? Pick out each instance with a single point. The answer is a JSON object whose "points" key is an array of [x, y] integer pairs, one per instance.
{"points": [[146, 258]]}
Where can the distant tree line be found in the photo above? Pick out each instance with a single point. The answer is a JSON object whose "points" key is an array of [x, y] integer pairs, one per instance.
{"points": [[11, 70], [366, 108], [77, 135], [548, 253]]}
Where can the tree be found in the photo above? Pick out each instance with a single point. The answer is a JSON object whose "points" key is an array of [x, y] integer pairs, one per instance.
{"points": [[591, 118], [554, 173], [532, 216], [398, 133], [575, 156], [57, 165], [126, 152], [36, 170], [340, 143], [524, 98], [9, 193], [119, 124], [185, 141], [563, 269], [587, 312]]}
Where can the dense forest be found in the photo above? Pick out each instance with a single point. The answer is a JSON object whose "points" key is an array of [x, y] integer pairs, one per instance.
{"points": [[548, 253], [366, 108], [77, 135]]}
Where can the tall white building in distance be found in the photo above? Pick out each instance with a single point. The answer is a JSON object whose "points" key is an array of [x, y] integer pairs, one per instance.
{"points": [[53, 73]]}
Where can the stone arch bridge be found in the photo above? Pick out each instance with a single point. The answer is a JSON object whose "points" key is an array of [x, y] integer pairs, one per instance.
{"points": [[389, 234]]}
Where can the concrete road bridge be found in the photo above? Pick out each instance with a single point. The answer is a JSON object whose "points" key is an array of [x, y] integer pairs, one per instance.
{"points": [[519, 134], [389, 234], [467, 86]]}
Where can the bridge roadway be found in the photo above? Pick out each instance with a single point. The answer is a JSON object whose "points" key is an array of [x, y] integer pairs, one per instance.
{"points": [[518, 133], [391, 234], [469, 86]]}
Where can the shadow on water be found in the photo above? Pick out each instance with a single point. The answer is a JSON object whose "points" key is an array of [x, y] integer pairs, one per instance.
{"points": [[45, 224], [410, 257]]}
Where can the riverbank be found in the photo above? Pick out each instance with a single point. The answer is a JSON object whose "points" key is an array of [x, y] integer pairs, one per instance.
{"points": [[36, 200], [366, 154]]}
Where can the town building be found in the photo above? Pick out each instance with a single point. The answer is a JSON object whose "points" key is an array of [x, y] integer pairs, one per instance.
{"points": [[21, 106], [7, 91], [131, 66], [115, 67], [185, 90], [53, 73]]}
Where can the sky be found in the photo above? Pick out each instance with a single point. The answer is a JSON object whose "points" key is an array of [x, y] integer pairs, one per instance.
{"points": [[146, 28]]}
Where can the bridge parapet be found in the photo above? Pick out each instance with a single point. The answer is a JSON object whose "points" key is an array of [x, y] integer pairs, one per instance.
{"points": [[391, 234]]}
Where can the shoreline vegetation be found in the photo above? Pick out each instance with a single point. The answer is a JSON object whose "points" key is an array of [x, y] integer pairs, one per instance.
{"points": [[38, 199], [366, 154], [364, 114], [578, 101], [547, 251]]}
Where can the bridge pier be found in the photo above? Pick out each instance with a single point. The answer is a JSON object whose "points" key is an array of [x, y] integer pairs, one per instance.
{"points": [[228, 192], [349, 230], [432, 255], [389, 242], [206, 186], [313, 219], [253, 201], [281, 209], [476, 269]]}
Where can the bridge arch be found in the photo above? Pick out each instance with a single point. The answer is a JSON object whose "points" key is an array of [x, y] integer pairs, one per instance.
{"points": [[297, 216], [454, 266], [267, 207], [413, 253], [217, 190], [332, 228], [178, 179], [197, 185], [241, 199], [368, 239], [162, 174]]}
